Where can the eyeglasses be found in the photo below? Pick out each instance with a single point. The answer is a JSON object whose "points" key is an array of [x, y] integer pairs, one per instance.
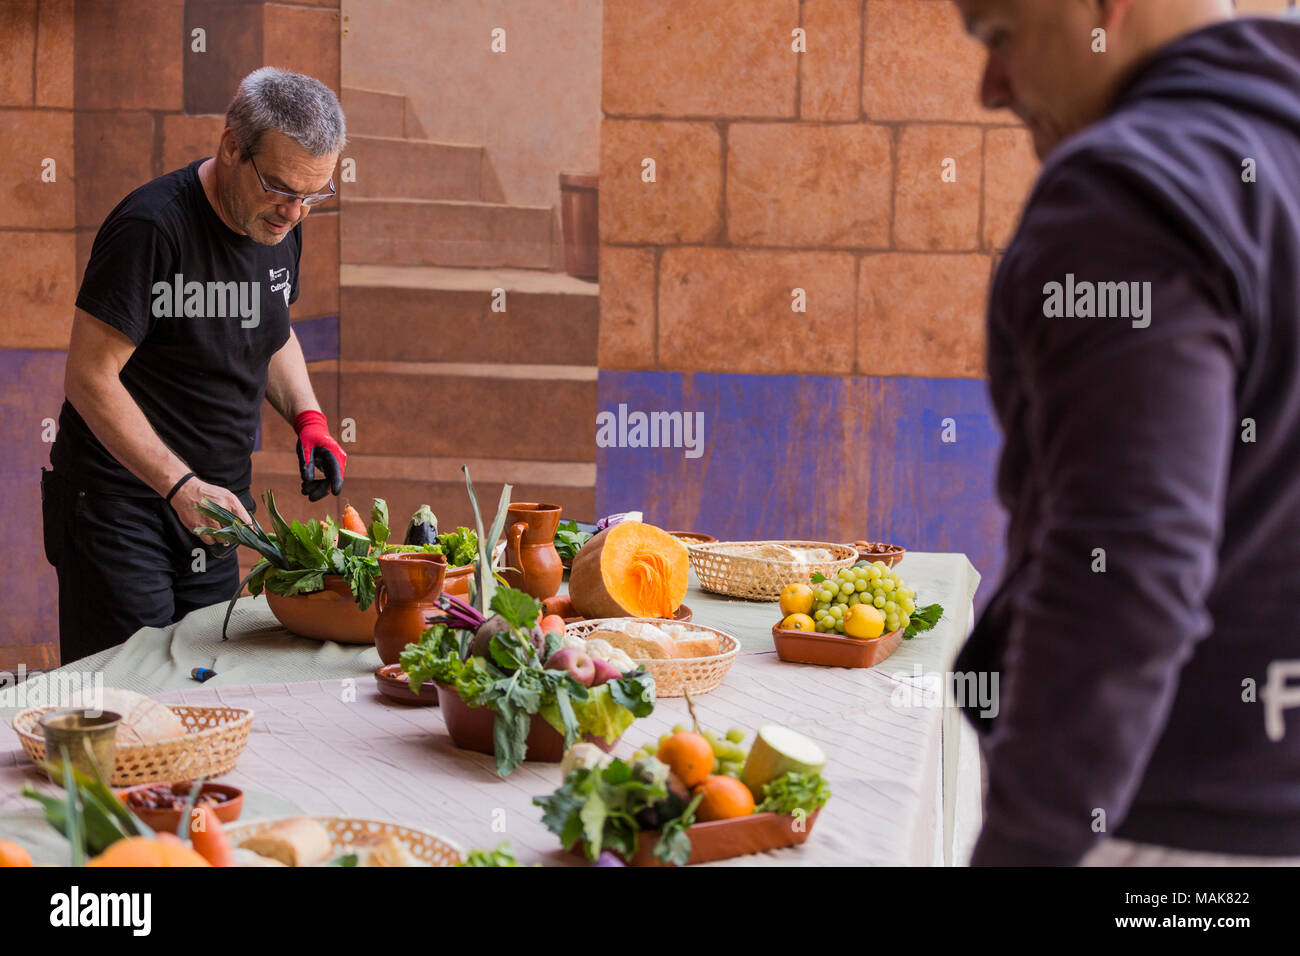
{"points": [[291, 197]]}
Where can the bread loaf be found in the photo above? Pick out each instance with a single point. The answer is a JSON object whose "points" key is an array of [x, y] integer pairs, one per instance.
{"points": [[300, 841], [144, 720], [638, 640], [693, 643]]}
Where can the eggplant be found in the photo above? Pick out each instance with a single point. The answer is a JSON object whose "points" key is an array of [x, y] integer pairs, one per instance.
{"points": [[423, 528]]}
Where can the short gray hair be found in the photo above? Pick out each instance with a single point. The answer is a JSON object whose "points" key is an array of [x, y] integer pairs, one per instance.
{"points": [[301, 107]]}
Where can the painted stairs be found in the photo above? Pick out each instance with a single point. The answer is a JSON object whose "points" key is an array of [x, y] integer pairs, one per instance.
{"points": [[431, 376]]}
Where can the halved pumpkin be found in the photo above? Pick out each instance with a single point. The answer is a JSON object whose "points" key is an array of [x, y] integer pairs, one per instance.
{"points": [[630, 569]]}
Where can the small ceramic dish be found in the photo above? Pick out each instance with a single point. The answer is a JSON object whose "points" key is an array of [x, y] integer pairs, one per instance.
{"points": [[168, 819], [394, 684], [833, 650], [692, 537], [889, 554]]}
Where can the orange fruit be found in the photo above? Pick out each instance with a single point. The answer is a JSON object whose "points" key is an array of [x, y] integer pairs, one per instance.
{"points": [[11, 854], [688, 755], [796, 598], [724, 798], [142, 851]]}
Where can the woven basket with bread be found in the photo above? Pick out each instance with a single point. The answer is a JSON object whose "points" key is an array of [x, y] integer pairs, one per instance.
{"points": [[314, 841], [155, 742], [680, 656], [760, 570]]}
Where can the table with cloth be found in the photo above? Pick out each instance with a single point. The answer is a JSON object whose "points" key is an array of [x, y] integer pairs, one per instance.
{"points": [[905, 778]]}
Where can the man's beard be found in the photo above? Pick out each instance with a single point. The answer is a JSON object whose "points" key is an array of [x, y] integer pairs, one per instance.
{"points": [[248, 219]]}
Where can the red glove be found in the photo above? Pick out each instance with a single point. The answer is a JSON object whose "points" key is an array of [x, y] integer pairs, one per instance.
{"points": [[318, 449]]}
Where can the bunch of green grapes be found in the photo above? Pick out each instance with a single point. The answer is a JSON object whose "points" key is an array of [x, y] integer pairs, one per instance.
{"points": [[864, 583], [728, 755]]}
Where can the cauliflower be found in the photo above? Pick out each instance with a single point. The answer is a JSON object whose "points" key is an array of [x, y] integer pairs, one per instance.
{"points": [[583, 756]]}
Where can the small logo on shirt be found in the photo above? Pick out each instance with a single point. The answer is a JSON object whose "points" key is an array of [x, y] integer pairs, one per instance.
{"points": [[209, 300], [280, 283]]}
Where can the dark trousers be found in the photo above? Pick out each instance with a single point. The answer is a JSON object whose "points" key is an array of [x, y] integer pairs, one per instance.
{"points": [[124, 563]]}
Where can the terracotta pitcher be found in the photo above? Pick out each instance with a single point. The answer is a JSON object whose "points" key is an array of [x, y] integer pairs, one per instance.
{"points": [[531, 562], [407, 595]]}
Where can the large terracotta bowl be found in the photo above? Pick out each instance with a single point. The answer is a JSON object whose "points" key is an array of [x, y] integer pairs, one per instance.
{"points": [[328, 615], [470, 728]]}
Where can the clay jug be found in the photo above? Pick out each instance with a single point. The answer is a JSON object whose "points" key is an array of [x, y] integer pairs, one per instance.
{"points": [[407, 595], [531, 562]]}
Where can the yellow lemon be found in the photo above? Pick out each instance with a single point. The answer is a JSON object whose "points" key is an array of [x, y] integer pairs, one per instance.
{"points": [[796, 599], [864, 621], [798, 622]]}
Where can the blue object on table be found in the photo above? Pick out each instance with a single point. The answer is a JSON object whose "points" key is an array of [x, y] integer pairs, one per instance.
{"points": [[201, 674]]}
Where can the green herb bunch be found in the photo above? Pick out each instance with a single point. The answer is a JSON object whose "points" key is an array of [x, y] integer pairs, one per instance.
{"points": [[598, 808]]}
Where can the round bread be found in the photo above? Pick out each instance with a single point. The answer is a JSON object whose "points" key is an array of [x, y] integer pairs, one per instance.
{"points": [[144, 720]]}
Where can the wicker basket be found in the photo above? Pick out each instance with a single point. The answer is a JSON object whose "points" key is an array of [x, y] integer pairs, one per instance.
{"points": [[722, 569], [214, 739], [673, 678], [345, 833]]}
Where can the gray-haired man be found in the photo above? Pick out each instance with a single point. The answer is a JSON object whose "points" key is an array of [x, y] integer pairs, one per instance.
{"points": [[181, 329]]}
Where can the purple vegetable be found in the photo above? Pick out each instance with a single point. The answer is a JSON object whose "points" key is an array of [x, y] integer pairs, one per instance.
{"points": [[460, 616], [610, 520], [608, 859]]}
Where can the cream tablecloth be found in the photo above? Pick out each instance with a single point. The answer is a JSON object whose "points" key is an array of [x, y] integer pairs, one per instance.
{"points": [[905, 778]]}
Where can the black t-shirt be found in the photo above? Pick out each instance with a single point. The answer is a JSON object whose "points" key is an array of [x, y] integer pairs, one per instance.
{"points": [[206, 308]]}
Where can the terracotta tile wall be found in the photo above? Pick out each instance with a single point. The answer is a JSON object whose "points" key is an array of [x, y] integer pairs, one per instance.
{"points": [[820, 170], [114, 94], [763, 153]]}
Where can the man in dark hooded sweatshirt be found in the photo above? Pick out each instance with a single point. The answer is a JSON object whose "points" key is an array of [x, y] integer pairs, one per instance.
{"points": [[1144, 361]]}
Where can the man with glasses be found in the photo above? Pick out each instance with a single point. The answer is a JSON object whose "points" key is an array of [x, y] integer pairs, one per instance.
{"points": [[165, 376]]}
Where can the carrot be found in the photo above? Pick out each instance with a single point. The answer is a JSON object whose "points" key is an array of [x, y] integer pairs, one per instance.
{"points": [[351, 521], [559, 605], [209, 838]]}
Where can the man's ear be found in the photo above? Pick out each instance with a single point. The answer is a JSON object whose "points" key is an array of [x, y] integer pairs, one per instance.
{"points": [[228, 149]]}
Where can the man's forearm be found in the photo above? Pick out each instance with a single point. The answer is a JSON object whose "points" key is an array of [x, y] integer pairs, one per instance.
{"points": [[288, 386], [122, 428]]}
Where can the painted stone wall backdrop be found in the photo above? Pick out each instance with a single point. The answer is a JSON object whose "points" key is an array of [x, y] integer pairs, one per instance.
{"points": [[96, 99], [858, 178], [808, 267]]}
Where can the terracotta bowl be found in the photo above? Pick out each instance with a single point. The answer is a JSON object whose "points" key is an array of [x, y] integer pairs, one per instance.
{"points": [[164, 820], [693, 537], [328, 615], [726, 839], [890, 554], [393, 684], [471, 729], [834, 650]]}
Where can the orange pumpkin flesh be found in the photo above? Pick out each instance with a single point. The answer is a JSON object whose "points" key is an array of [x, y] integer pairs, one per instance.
{"points": [[630, 570]]}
